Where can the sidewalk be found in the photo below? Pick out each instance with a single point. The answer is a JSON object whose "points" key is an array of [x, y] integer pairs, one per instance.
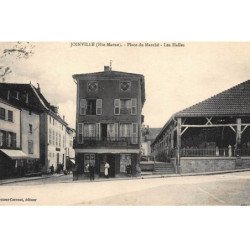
{"points": [[23, 179]]}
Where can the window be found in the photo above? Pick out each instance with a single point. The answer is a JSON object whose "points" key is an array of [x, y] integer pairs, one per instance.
{"points": [[117, 106], [56, 139], [59, 140], [2, 113], [134, 133], [30, 128], [8, 138], [1, 139], [92, 87], [53, 137], [125, 106], [50, 136], [90, 106], [99, 106], [10, 115], [16, 95], [89, 130], [80, 132], [125, 130], [30, 147], [30, 113], [134, 107], [50, 119], [125, 86]]}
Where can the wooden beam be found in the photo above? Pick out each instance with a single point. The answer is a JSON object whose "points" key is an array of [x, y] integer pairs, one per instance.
{"points": [[182, 132], [244, 129], [208, 126], [232, 128], [209, 121]]}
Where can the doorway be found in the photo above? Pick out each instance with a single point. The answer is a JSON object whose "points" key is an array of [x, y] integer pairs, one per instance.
{"points": [[104, 132]]}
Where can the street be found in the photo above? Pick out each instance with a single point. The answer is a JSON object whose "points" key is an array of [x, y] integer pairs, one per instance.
{"points": [[220, 189]]}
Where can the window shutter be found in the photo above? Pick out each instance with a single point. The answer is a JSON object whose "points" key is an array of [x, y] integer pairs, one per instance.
{"points": [[80, 132], [134, 107], [98, 131], [134, 133], [99, 106], [116, 131], [117, 106], [83, 106]]}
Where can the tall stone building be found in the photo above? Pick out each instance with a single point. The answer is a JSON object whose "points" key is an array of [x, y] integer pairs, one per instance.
{"points": [[108, 120]]}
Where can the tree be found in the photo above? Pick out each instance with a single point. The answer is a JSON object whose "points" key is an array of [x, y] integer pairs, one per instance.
{"points": [[20, 51]]}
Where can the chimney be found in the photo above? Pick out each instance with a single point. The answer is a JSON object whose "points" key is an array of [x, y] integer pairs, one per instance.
{"points": [[8, 95], [54, 109], [107, 68], [38, 88], [64, 117]]}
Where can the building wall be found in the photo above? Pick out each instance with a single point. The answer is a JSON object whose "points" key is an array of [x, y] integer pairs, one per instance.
{"points": [[70, 152], [209, 164], [30, 118], [9, 126], [109, 90], [56, 141]]}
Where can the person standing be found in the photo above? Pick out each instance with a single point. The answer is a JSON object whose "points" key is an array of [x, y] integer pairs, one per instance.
{"points": [[52, 170], [91, 172], [106, 169]]}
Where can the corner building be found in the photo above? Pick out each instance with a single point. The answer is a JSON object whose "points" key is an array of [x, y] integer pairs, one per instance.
{"points": [[108, 117]]}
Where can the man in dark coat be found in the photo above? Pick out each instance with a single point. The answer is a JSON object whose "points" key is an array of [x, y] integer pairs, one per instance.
{"points": [[91, 171]]}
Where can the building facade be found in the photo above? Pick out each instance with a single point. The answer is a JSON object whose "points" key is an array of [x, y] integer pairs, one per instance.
{"points": [[108, 119], [42, 130]]}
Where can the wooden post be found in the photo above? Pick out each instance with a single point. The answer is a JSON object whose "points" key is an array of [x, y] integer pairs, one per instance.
{"points": [[178, 143], [238, 134]]}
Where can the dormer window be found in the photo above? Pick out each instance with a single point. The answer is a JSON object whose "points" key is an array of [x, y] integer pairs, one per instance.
{"points": [[17, 95]]}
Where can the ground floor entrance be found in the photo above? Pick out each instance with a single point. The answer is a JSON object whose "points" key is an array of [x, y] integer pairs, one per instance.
{"points": [[120, 164]]}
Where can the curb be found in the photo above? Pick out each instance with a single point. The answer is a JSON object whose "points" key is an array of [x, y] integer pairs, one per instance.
{"points": [[26, 180]]}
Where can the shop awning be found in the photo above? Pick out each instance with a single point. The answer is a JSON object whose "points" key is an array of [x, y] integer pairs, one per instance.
{"points": [[73, 161], [15, 154]]}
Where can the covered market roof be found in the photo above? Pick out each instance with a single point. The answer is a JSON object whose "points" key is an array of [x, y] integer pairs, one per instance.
{"points": [[234, 101]]}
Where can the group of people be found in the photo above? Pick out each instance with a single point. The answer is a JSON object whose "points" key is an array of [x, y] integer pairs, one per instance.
{"points": [[59, 169], [91, 169]]}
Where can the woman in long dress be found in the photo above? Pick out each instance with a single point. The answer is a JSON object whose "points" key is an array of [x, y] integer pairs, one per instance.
{"points": [[106, 169]]}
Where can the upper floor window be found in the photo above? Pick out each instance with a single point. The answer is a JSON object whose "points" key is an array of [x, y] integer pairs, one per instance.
{"points": [[125, 86], [10, 115], [30, 147], [2, 113], [125, 106], [90, 106], [30, 129], [16, 95], [92, 87]]}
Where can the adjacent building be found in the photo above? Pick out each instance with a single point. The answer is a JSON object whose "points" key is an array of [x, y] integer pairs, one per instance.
{"points": [[148, 136], [108, 120], [209, 136], [42, 131], [11, 155]]}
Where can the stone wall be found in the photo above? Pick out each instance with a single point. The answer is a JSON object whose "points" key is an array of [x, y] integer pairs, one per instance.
{"points": [[211, 164]]}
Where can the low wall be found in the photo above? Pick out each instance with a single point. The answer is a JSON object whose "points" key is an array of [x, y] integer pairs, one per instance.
{"points": [[211, 164]]}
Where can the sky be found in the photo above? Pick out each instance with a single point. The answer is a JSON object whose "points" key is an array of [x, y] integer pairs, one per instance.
{"points": [[175, 77]]}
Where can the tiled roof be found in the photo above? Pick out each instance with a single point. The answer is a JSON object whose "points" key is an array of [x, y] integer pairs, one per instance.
{"points": [[153, 132], [234, 101]]}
